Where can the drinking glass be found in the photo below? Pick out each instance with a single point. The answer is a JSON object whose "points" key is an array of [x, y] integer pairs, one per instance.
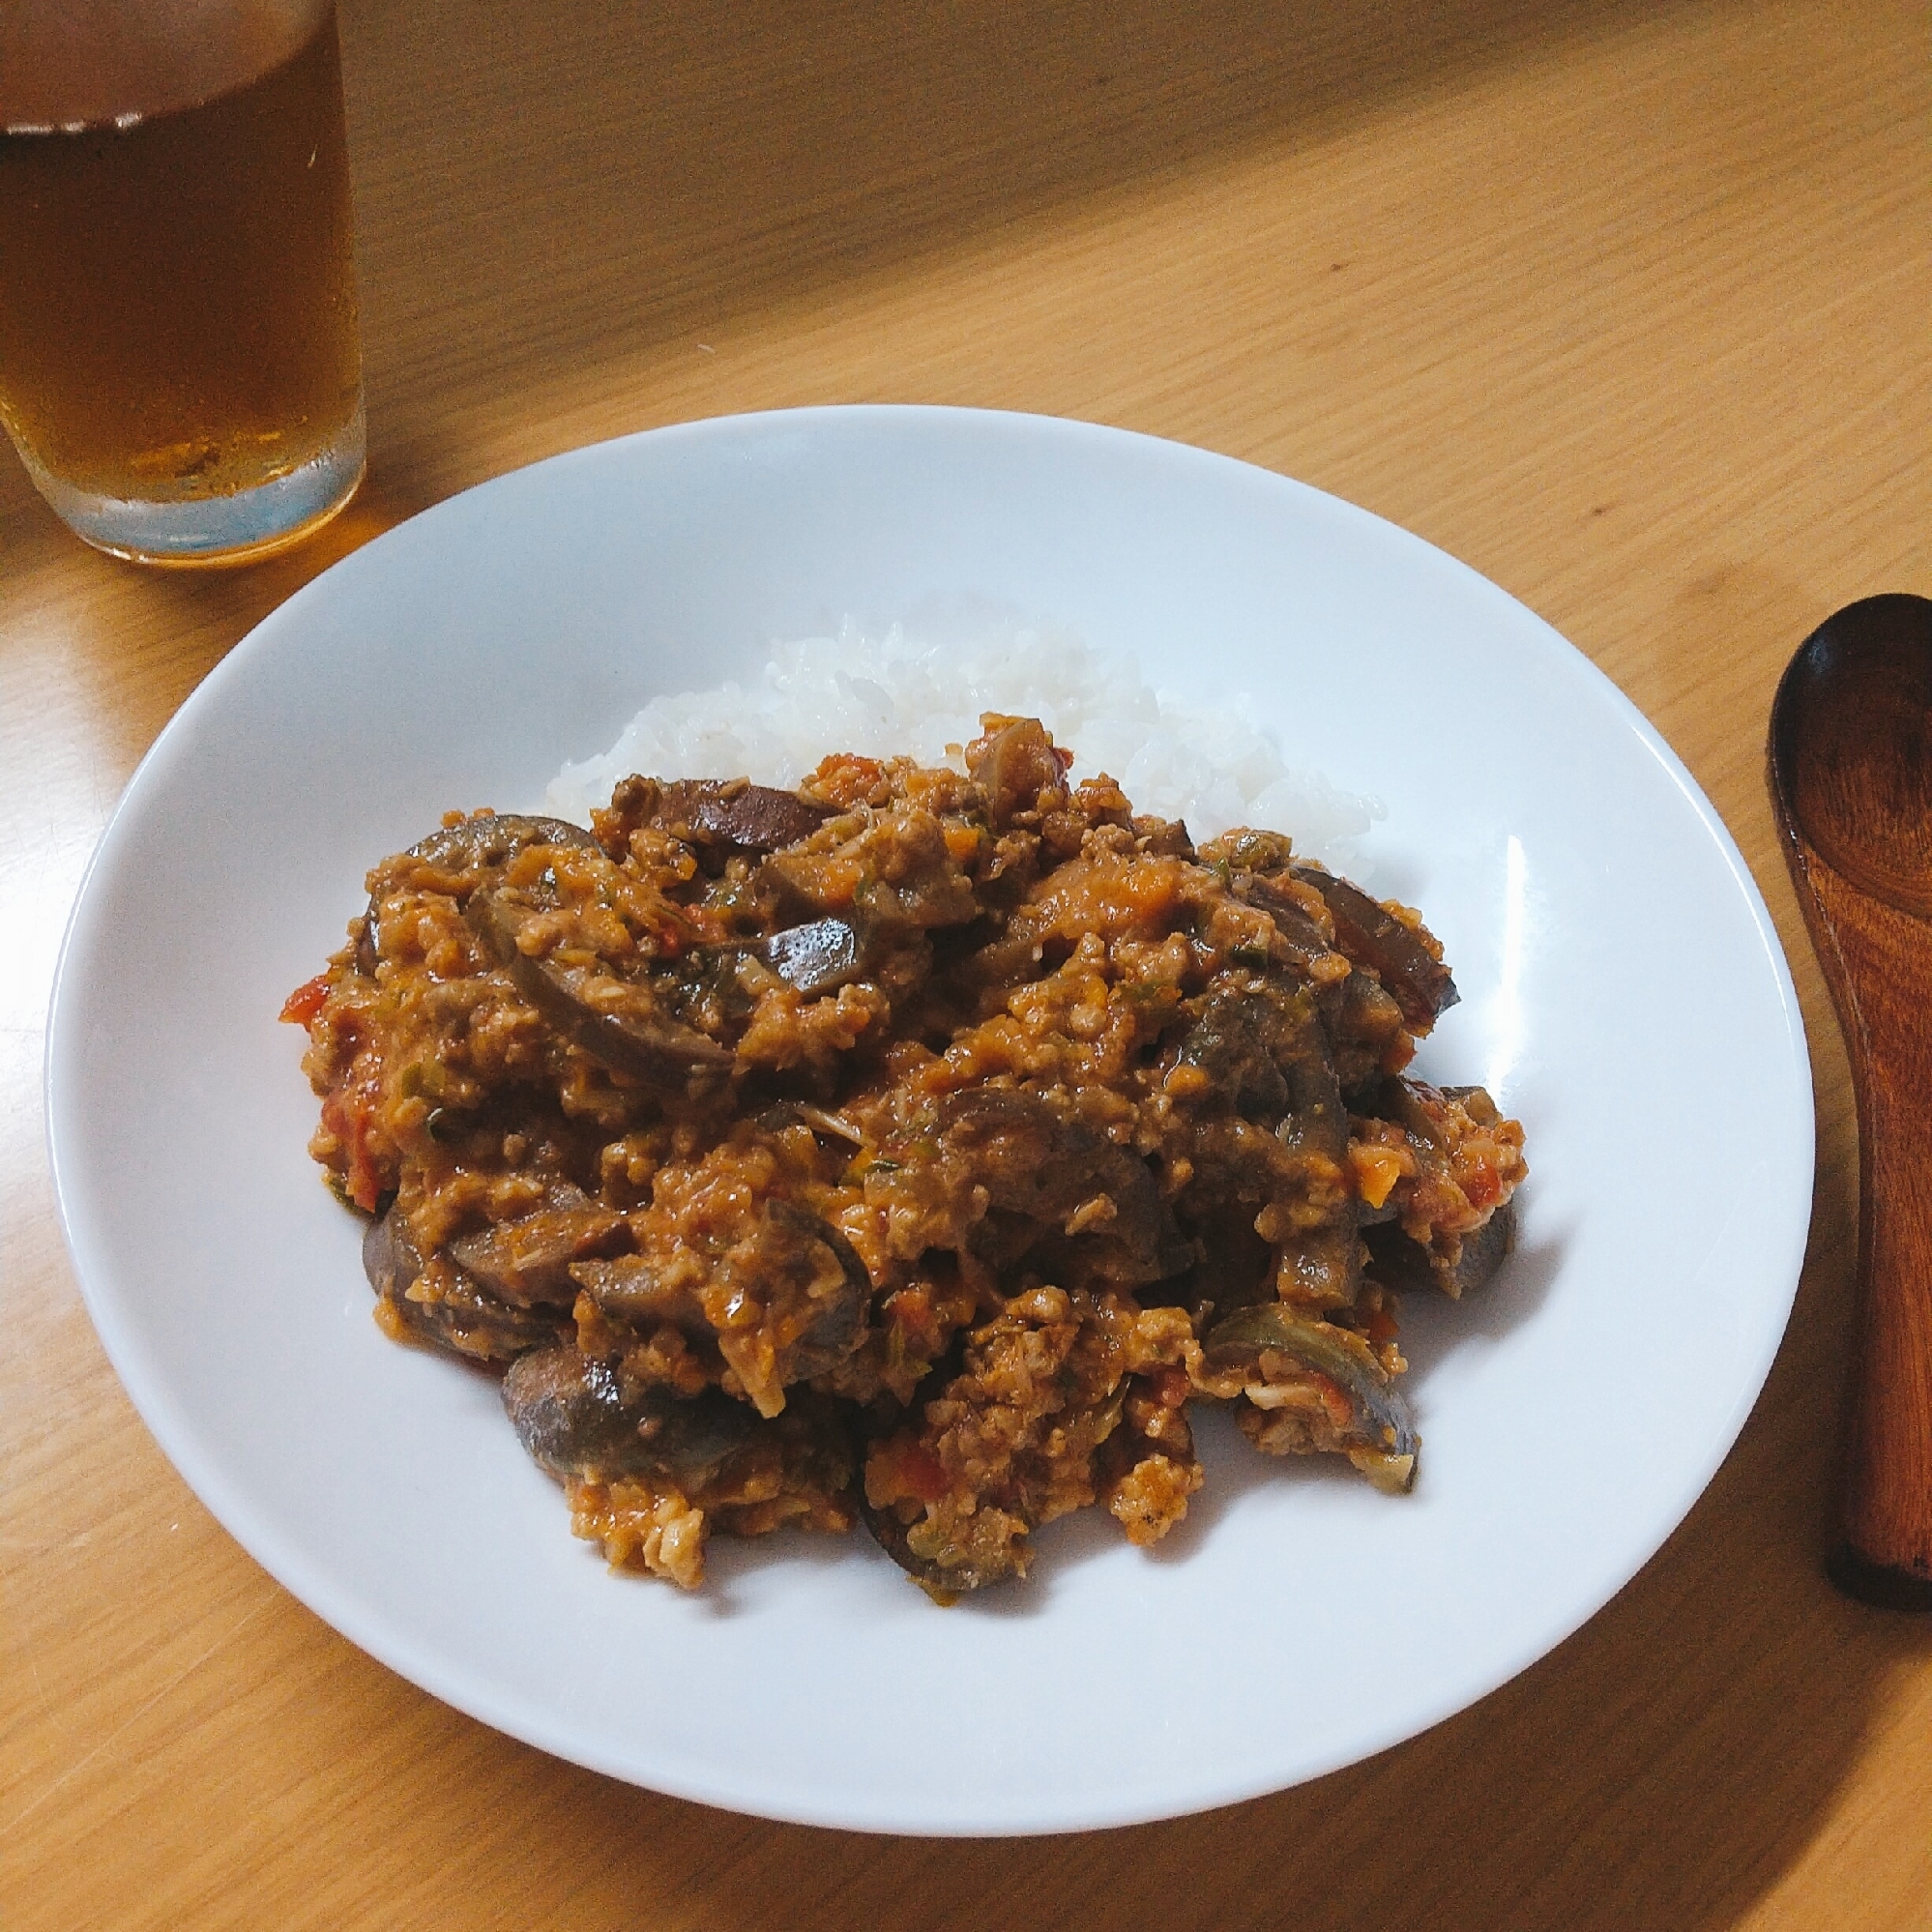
{"points": [[179, 360]]}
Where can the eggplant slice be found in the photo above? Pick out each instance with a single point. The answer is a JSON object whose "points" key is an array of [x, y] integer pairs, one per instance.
{"points": [[1038, 1167], [941, 1583], [576, 1417], [451, 1310], [786, 1261], [1382, 1440], [582, 1417], [1268, 1058], [1399, 1263], [1305, 940], [1016, 763], [481, 846], [617, 1022], [1421, 985], [528, 1260], [817, 957], [732, 812]]}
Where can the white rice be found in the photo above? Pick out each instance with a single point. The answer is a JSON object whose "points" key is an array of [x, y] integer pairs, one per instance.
{"points": [[893, 695]]}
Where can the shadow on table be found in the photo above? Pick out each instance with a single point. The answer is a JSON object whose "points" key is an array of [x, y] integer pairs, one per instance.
{"points": [[581, 185]]}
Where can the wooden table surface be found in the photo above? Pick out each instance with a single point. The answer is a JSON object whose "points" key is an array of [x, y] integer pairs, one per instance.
{"points": [[1624, 305]]}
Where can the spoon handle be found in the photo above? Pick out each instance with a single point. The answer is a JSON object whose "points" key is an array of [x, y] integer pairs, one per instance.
{"points": [[1878, 962]]}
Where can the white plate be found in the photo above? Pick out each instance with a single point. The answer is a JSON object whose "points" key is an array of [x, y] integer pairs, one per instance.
{"points": [[1623, 992]]}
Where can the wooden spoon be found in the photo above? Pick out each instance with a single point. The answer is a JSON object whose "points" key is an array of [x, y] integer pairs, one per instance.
{"points": [[1851, 779]]}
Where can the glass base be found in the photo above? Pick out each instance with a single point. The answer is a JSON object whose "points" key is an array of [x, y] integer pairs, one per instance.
{"points": [[211, 531]]}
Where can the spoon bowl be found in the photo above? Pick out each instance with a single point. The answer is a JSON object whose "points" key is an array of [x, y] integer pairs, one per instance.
{"points": [[1851, 747], [1851, 782]]}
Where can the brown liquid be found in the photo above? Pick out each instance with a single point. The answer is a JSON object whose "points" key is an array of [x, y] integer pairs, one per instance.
{"points": [[178, 297]]}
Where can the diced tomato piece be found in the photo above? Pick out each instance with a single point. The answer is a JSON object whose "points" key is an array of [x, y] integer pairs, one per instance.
{"points": [[1170, 1385], [962, 841], [1483, 1184], [845, 779], [908, 1469], [306, 1000], [911, 1312], [349, 1114]]}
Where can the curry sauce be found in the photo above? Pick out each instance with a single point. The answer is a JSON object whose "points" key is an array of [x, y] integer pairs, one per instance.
{"points": [[916, 1148]]}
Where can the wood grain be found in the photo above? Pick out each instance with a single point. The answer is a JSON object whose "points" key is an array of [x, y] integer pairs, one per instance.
{"points": [[1623, 306], [1880, 962], [1851, 781]]}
